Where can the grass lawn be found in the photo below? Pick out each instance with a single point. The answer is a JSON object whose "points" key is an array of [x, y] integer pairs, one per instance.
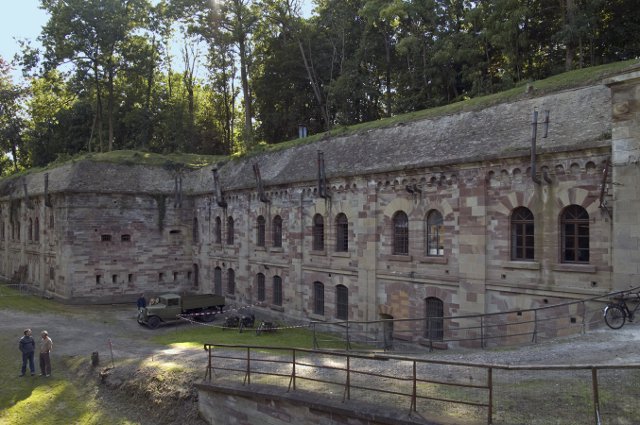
{"points": [[55, 400]]}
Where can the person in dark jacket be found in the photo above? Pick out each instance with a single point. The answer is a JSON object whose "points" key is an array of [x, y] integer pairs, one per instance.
{"points": [[142, 302], [27, 346]]}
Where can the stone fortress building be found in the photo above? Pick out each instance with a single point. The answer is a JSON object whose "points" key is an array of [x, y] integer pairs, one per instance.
{"points": [[458, 214]]}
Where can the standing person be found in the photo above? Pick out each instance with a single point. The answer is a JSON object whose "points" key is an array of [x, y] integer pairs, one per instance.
{"points": [[27, 347], [45, 360], [142, 303]]}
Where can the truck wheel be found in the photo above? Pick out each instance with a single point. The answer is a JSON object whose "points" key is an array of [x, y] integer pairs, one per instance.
{"points": [[153, 322], [209, 316]]}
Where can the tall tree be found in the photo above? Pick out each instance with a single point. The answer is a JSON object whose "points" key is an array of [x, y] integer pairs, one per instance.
{"points": [[11, 121], [91, 34]]}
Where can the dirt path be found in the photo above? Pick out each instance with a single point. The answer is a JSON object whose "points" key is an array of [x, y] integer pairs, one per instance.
{"points": [[107, 329]]}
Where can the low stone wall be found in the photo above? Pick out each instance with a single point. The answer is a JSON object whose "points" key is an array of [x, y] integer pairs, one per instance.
{"points": [[263, 405]]}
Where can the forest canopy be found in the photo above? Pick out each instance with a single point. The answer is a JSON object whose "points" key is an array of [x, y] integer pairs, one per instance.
{"points": [[221, 77]]}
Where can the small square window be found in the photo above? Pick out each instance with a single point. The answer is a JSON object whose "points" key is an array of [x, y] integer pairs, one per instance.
{"points": [[105, 238]]}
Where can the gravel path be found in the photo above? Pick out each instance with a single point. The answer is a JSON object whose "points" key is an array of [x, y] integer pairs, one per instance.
{"points": [[108, 329]]}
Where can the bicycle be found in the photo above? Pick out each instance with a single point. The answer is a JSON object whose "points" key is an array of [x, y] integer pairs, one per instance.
{"points": [[617, 312]]}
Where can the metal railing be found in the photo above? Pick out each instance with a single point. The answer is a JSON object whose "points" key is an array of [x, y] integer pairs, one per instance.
{"points": [[478, 330], [370, 378]]}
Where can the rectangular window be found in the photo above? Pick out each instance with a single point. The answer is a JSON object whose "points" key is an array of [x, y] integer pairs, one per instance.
{"points": [[114, 278], [105, 238], [175, 276], [161, 277], [130, 278], [98, 279], [125, 238]]}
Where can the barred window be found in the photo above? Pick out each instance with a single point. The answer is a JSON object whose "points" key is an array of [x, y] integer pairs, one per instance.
{"points": [[342, 233], [277, 231], [435, 322], [434, 234], [277, 290], [575, 234], [342, 302], [318, 232], [260, 231], [318, 298], [400, 233], [522, 234], [261, 287]]}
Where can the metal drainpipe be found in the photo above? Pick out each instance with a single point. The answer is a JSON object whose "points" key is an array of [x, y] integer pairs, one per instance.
{"points": [[534, 133]]}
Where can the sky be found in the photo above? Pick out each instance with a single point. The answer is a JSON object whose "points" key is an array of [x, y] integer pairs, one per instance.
{"points": [[22, 19], [19, 19]]}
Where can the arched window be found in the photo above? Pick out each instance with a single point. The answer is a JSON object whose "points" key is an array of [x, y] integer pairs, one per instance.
{"points": [[318, 298], [318, 232], [217, 281], [574, 223], [435, 324], [231, 282], [230, 231], [342, 233], [277, 231], [342, 302], [217, 230], [435, 234], [400, 233], [260, 231], [261, 287], [277, 290], [522, 230]]}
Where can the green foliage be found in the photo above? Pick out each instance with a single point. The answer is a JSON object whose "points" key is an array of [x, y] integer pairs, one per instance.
{"points": [[351, 63]]}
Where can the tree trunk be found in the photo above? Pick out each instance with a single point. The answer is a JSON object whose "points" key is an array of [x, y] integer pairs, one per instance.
{"points": [[316, 89], [244, 77]]}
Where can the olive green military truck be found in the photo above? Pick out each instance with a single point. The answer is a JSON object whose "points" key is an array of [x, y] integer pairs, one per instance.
{"points": [[170, 307]]}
